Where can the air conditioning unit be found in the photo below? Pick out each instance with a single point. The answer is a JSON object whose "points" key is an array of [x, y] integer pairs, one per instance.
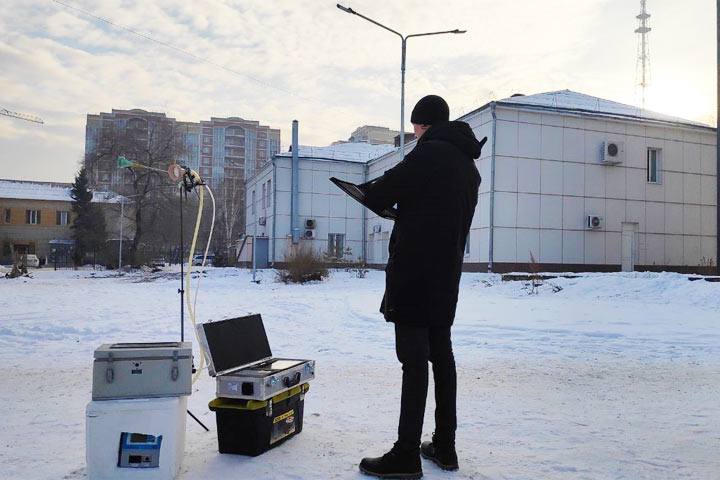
{"points": [[262, 221], [594, 222], [377, 228], [309, 234], [309, 223], [613, 153]]}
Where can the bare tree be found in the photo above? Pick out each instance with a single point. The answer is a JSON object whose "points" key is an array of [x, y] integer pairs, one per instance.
{"points": [[150, 142], [230, 198]]}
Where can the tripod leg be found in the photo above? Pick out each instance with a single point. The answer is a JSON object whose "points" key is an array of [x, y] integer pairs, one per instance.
{"points": [[198, 421]]}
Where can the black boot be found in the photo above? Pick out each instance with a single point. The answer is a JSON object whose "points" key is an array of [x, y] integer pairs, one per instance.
{"points": [[397, 463], [442, 453]]}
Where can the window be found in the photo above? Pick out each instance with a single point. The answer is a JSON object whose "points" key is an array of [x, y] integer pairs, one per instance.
{"points": [[264, 195], [653, 165], [8, 215], [252, 201], [269, 195], [32, 217], [336, 245], [61, 218]]}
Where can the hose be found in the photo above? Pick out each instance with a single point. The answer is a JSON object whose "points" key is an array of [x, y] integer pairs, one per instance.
{"points": [[191, 305]]}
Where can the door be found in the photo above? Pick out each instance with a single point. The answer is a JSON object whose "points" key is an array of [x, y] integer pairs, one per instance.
{"points": [[628, 246], [261, 255]]}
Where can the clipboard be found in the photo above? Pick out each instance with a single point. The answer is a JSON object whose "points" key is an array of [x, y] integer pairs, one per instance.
{"points": [[357, 194]]}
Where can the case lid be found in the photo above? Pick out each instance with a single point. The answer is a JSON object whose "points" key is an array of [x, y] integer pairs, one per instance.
{"points": [[157, 350], [234, 343]]}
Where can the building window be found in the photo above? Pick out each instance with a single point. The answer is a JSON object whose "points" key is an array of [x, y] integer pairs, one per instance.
{"points": [[7, 215], [653, 165], [269, 195], [264, 195], [32, 217], [61, 218], [336, 245], [252, 201]]}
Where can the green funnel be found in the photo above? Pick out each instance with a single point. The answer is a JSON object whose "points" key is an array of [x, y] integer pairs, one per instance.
{"points": [[123, 162]]}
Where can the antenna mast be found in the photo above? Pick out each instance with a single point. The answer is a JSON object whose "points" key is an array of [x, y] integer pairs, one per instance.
{"points": [[643, 58]]}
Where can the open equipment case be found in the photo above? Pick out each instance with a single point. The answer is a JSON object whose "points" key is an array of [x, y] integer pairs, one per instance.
{"points": [[239, 356]]}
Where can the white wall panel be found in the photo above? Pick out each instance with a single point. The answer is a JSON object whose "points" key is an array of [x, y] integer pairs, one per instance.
{"points": [[655, 217], [320, 205], [595, 206], [505, 209], [691, 188], [573, 178], [708, 247], [552, 143], [655, 249], [691, 250], [671, 156], [529, 140], [528, 240], [507, 138], [614, 214], [506, 174], [613, 248], [550, 246], [573, 145], [635, 212], [708, 160], [708, 190], [635, 152], [573, 246], [594, 180], [691, 157], [691, 220], [673, 187], [504, 245], [593, 146], [708, 220], [551, 211], [551, 177], [528, 175], [594, 247], [573, 213], [615, 181], [528, 210], [674, 218], [674, 250], [636, 180]]}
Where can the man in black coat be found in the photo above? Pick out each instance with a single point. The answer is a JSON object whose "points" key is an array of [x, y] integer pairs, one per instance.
{"points": [[435, 189]]}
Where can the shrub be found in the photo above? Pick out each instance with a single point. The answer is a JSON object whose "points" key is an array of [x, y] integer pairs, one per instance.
{"points": [[302, 264]]}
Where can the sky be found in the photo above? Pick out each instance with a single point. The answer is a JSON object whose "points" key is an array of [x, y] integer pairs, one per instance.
{"points": [[276, 61]]}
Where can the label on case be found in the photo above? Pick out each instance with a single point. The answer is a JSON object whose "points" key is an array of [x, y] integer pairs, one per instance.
{"points": [[283, 425]]}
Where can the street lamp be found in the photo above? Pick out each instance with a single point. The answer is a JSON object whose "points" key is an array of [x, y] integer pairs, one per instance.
{"points": [[404, 39]]}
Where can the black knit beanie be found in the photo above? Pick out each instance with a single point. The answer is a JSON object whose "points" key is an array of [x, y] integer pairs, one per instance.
{"points": [[430, 110]]}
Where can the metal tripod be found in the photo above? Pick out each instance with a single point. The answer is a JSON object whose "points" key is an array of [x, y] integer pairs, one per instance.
{"points": [[181, 290]]}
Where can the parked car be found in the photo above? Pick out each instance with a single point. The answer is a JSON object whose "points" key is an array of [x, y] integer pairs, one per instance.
{"points": [[159, 262], [32, 260], [197, 260]]}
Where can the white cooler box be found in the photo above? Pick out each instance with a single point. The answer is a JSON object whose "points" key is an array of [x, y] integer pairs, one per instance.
{"points": [[138, 439]]}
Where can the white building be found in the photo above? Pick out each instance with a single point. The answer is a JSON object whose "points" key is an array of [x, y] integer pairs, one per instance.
{"points": [[579, 183], [334, 221]]}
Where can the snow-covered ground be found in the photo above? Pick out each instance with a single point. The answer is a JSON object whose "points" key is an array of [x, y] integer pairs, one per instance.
{"points": [[616, 376]]}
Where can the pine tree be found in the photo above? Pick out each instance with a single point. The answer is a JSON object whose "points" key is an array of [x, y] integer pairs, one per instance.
{"points": [[88, 228]]}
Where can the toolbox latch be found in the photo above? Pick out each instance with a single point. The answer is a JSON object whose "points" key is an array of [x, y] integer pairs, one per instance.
{"points": [[109, 371], [174, 371]]}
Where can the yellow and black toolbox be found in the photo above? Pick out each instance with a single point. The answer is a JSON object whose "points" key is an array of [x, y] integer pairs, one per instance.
{"points": [[252, 427]]}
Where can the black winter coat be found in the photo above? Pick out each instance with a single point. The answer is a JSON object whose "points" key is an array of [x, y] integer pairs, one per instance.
{"points": [[435, 188]]}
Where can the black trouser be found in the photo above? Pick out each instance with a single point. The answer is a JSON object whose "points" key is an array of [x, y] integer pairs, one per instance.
{"points": [[415, 346]]}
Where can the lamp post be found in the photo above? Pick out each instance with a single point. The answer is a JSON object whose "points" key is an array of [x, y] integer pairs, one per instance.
{"points": [[404, 39]]}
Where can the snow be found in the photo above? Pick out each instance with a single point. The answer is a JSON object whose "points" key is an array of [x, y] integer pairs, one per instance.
{"points": [[614, 376], [349, 151], [59, 192], [569, 100]]}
